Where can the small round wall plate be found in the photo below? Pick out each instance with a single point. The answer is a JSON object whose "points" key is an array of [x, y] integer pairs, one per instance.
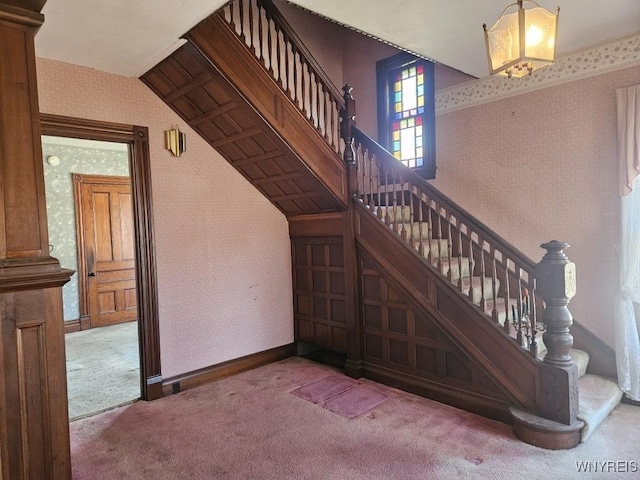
{"points": [[53, 160]]}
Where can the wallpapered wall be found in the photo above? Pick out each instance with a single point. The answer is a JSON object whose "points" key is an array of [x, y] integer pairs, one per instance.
{"points": [[542, 166], [223, 250], [76, 156]]}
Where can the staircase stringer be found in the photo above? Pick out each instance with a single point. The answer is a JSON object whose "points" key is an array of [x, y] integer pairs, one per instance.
{"points": [[490, 349], [220, 45]]}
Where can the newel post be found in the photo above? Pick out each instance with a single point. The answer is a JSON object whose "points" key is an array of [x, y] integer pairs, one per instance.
{"points": [[353, 365], [556, 282], [347, 122]]}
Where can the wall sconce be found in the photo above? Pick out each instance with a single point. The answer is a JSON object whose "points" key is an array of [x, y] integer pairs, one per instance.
{"points": [[175, 141], [521, 41]]}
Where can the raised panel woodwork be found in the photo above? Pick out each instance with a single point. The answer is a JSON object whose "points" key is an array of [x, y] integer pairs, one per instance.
{"points": [[319, 291], [35, 416], [23, 231], [400, 337], [440, 318], [210, 104]]}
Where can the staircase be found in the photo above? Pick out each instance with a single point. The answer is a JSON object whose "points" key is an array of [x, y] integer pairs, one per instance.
{"points": [[386, 269]]}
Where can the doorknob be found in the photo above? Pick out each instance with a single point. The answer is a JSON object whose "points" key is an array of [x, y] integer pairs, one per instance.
{"points": [[92, 274]]}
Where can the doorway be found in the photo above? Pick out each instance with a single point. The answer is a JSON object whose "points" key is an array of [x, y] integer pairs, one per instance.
{"points": [[91, 231], [136, 139]]}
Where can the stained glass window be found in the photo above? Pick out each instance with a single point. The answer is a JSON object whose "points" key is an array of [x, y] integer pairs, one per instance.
{"points": [[408, 132]]}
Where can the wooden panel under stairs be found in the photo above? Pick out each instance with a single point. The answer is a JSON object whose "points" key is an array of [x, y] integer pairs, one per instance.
{"points": [[463, 351], [209, 103]]}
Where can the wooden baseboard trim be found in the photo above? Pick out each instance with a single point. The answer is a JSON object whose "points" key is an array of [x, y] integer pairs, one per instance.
{"points": [[465, 400], [72, 326], [195, 378]]}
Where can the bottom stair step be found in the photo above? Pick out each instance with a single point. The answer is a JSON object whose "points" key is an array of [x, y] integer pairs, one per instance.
{"points": [[598, 397]]}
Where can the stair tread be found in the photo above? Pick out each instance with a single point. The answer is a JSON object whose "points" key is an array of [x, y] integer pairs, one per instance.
{"points": [[598, 397]]}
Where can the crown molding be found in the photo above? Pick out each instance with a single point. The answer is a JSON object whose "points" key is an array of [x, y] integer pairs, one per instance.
{"points": [[605, 58]]}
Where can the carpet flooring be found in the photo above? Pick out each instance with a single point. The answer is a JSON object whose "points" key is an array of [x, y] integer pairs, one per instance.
{"points": [[103, 368], [257, 425]]}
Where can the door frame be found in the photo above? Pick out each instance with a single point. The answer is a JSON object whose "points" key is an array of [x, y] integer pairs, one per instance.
{"points": [[137, 138]]}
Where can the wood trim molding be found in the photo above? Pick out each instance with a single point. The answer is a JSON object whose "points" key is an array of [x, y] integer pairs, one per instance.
{"points": [[146, 279], [199, 377]]}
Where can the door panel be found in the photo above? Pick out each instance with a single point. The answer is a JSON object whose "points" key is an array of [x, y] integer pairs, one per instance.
{"points": [[108, 243]]}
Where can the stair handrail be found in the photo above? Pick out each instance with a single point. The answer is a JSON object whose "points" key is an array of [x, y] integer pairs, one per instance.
{"points": [[269, 36], [489, 234], [500, 265]]}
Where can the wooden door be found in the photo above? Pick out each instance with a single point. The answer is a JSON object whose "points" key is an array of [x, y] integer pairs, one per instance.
{"points": [[106, 257]]}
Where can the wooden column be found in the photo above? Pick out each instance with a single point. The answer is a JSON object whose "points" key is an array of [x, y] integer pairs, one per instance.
{"points": [[34, 428]]}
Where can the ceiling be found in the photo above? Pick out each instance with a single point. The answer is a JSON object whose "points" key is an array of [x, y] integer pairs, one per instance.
{"points": [[128, 37]]}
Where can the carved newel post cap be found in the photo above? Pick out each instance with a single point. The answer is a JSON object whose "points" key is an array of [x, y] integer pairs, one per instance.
{"points": [[347, 89], [555, 274]]}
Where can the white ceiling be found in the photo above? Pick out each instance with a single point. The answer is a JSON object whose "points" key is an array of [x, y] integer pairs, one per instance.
{"points": [[127, 37]]}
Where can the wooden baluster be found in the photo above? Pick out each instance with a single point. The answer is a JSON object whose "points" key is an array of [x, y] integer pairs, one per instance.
{"points": [[412, 223], [533, 346], [395, 204], [372, 202], [290, 70], [269, 51], [260, 35], [439, 214], [379, 192], [387, 217], [449, 248], [303, 87], [403, 232], [421, 224], [429, 233], [322, 125], [282, 51], [494, 287], [506, 326], [327, 116], [251, 30], [240, 24], [519, 304], [472, 265], [460, 249], [483, 305]]}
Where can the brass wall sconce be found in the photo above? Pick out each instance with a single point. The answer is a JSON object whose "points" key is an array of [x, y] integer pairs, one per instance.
{"points": [[175, 141]]}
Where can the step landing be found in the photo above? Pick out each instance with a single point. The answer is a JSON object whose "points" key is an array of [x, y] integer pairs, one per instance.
{"points": [[598, 397]]}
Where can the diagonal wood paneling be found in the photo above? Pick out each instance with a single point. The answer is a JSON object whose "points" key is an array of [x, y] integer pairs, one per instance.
{"points": [[200, 94]]}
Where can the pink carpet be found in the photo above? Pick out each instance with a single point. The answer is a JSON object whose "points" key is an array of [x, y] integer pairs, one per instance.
{"points": [[250, 426]]}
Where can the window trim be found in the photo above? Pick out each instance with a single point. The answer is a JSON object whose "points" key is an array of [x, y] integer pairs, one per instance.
{"points": [[385, 69]]}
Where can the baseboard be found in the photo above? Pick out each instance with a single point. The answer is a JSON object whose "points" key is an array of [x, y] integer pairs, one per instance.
{"points": [[443, 393], [71, 326], [195, 378]]}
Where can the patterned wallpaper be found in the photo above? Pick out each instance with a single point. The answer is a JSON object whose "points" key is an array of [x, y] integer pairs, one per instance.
{"points": [[542, 166], [76, 156], [223, 291]]}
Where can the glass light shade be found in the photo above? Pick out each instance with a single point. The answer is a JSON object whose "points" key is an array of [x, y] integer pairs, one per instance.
{"points": [[522, 41]]}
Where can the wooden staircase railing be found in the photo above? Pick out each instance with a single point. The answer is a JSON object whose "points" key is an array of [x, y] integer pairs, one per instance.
{"points": [[449, 237], [261, 27]]}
